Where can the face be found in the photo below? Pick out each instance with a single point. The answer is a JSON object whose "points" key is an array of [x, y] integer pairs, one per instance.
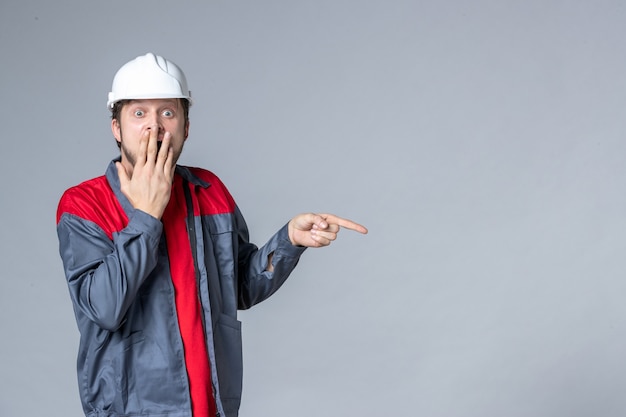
{"points": [[139, 116]]}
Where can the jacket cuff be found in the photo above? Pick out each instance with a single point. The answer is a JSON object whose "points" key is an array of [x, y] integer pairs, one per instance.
{"points": [[144, 223], [285, 248]]}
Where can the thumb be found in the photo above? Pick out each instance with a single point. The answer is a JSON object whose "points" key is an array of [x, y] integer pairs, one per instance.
{"points": [[121, 172], [307, 220]]}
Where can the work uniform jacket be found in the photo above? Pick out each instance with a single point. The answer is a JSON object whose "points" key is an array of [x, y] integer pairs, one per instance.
{"points": [[118, 264]]}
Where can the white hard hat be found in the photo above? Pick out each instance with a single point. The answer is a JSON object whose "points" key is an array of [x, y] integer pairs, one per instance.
{"points": [[148, 76]]}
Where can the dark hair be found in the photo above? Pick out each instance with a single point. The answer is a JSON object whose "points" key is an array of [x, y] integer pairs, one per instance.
{"points": [[117, 109]]}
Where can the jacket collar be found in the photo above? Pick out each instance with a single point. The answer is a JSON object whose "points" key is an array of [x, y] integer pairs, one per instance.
{"points": [[114, 182], [186, 173]]}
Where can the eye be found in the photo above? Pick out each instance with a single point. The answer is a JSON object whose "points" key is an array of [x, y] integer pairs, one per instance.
{"points": [[168, 113], [139, 113]]}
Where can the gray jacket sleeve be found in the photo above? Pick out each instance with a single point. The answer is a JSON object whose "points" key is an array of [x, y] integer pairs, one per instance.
{"points": [[105, 275], [255, 282]]}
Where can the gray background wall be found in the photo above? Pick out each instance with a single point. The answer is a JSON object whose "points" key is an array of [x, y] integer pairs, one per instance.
{"points": [[481, 142]]}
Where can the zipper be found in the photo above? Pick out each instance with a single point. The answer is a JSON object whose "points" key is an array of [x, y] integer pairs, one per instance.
{"points": [[193, 240]]}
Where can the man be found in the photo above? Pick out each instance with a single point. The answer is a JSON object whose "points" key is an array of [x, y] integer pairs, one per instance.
{"points": [[158, 261]]}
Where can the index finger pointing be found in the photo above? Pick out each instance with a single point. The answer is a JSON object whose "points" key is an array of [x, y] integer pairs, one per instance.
{"points": [[348, 224]]}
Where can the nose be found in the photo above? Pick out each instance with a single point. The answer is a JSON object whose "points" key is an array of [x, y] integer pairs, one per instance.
{"points": [[154, 123], [152, 116]]}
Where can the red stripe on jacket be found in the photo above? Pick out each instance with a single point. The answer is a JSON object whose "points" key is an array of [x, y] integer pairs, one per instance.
{"points": [[94, 201]]}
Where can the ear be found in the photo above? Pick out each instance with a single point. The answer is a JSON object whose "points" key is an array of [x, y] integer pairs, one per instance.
{"points": [[115, 128], [186, 129]]}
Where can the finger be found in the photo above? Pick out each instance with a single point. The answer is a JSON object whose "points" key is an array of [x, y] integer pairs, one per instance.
{"points": [[169, 168], [318, 240], [143, 148], [323, 236], [153, 138], [163, 150], [348, 224]]}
